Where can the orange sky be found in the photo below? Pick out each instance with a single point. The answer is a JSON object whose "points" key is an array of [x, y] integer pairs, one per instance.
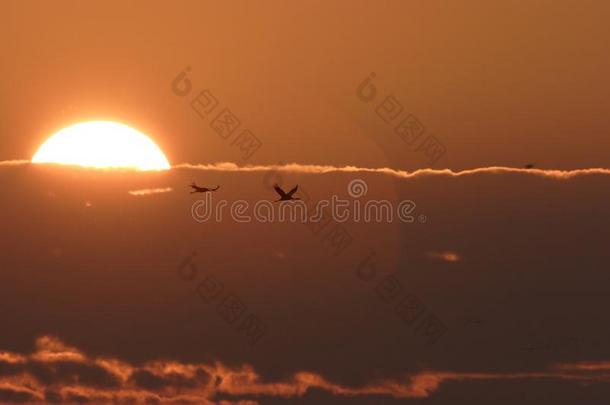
{"points": [[498, 83], [495, 292]]}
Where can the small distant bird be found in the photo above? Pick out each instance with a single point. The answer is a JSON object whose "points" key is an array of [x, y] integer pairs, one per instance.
{"points": [[529, 166], [286, 196], [197, 189]]}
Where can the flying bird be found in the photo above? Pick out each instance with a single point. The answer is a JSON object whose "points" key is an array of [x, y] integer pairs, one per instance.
{"points": [[286, 196], [197, 189], [529, 166]]}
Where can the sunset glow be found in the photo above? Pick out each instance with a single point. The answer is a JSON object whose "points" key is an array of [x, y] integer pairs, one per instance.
{"points": [[102, 144]]}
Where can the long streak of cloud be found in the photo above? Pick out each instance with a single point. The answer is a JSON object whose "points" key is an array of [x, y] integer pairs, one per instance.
{"points": [[324, 169], [150, 191]]}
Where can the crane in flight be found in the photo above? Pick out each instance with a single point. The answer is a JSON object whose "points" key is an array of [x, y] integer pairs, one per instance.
{"points": [[197, 189], [286, 196]]}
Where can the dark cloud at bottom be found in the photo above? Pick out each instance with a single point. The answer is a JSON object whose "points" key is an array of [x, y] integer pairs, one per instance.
{"points": [[58, 373]]}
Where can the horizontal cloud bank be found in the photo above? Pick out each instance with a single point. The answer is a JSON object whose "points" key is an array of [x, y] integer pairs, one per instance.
{"points": [[322, 169], [58, 373]]}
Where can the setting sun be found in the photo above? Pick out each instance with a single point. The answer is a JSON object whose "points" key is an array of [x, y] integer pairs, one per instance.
{"points": [[102, 144]]}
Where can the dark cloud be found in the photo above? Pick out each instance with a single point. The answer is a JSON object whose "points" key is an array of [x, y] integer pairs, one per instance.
{"points": [[52, 396], [104, 272], [150, 381], [7, 369], [65, 372], [9, 395], [57, 381]]}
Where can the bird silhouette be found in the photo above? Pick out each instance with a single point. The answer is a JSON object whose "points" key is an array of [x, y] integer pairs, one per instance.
{"points": [[197, 189], [286, 196], [529, 166]]}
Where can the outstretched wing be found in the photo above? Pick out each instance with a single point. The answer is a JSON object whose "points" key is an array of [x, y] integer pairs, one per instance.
{"points": [[280, 191], [294, 190]]}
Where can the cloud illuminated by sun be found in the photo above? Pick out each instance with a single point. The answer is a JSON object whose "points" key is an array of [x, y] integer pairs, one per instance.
{"points": [[102, 144]]}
